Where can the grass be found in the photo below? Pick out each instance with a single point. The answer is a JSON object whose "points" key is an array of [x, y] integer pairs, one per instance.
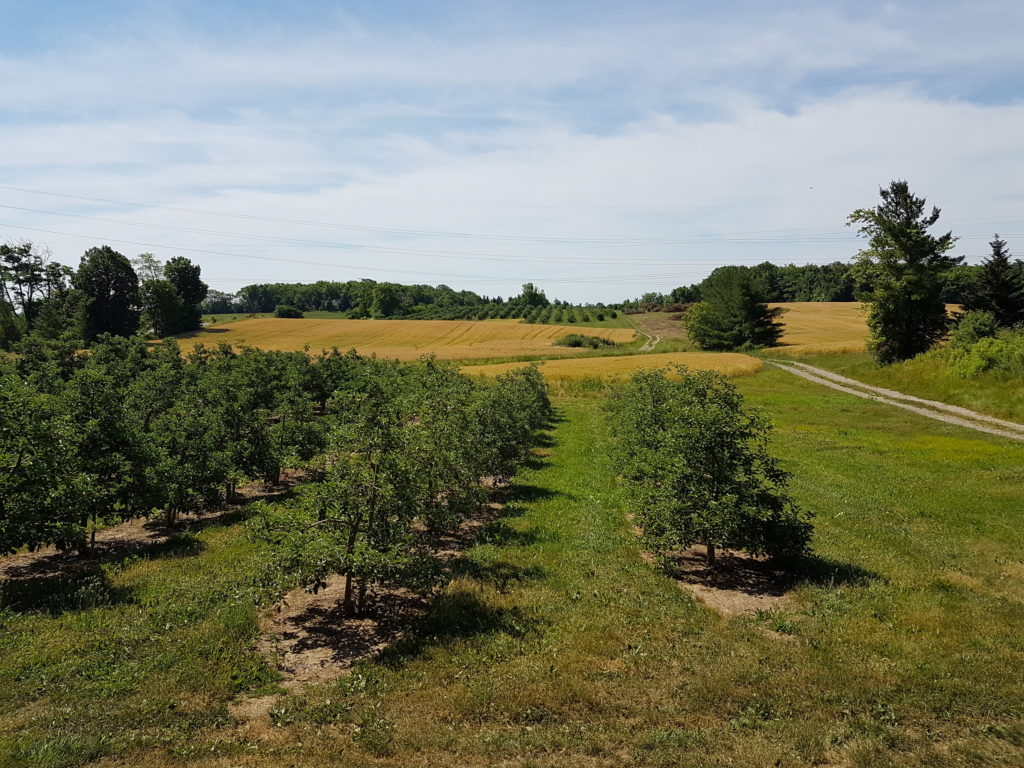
{"points": [[400, 339], [931, 377], [556, 645], [617, 366]]}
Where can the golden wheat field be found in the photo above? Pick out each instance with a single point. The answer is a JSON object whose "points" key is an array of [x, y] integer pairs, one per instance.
{"points": [[822, 327], [616, 366], [399, 339]]}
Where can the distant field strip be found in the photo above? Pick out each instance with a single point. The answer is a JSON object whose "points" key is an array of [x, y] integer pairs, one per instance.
{"points": [[822, 327], [623, 365], [400, 339]]}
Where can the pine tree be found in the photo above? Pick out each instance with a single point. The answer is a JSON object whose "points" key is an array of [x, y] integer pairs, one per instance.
{"points": [[905, 265], [1000, 286], [733, 313]]}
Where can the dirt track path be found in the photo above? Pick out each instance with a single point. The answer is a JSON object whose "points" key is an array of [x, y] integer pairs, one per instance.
{"points": [[652, 340], [932, 409]]}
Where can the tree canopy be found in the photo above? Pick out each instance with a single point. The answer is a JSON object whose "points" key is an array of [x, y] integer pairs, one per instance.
{"points": [[111, 289], [905, 265], [999, 288], [732, 313]]}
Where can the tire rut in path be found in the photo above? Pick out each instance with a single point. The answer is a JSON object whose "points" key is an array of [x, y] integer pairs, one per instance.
{"points": [[932, 409]]}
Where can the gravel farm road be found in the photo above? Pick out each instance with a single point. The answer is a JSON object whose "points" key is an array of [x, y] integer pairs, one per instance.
{"points": [[951, 414]]}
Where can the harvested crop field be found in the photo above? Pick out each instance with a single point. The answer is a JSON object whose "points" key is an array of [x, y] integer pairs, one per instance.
{"points": [[623, 365], [399, 339], [823, 327], [826, 327]]}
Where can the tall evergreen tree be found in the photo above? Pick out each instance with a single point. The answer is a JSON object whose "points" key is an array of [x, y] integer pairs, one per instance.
{"points": [[905, 265], [111, 288], [1000, 286], [732, 312]]}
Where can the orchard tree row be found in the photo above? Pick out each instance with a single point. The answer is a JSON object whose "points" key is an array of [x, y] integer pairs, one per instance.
{"points": [[403, 459], [128, 429]]}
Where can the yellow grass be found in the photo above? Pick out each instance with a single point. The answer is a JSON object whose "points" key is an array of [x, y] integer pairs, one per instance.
{"points": [[826, 327], [622, 365], [822, 327], [400, 339]]}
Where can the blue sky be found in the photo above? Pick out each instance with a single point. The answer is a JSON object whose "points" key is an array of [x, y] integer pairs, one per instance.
{"points": [[599, 149]]}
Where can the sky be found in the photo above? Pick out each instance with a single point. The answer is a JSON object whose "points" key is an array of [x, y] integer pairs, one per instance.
{"points": [[598, 149]]}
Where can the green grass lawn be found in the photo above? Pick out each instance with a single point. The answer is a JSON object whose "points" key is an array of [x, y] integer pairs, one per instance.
{"points": [[557, 645], [930, 377]]}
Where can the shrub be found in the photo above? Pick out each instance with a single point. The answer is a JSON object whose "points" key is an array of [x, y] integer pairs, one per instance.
{"points": [[971, 328], [287, 310], [1002, 354], [580, 340], [696, 467]]}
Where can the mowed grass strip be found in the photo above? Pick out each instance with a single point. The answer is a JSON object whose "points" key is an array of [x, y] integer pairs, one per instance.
{"points": [[618, 366], [399, 339]]}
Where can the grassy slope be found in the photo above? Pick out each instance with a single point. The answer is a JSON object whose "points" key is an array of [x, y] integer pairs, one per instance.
{"points": [[559, 646], [928, 376]]}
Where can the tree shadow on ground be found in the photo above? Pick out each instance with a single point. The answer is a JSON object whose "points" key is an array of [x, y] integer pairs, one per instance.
{"points": [[501, 575], [825, 572], [83, 583], [527, 494], [58, 581], [740, 582], [501, 534], [456, 614]]}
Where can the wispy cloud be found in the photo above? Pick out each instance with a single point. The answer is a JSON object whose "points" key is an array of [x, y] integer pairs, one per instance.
{"points": [[632, 149]]}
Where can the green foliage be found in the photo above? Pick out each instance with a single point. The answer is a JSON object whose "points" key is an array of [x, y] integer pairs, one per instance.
{"points": [[999, 288], [162, 308], [408, 447], [11, 326], [111, 290], [971, 327], [696, 466], [732, 314], [1001, 353], [286, 310], [581, 340], [905, 266]]}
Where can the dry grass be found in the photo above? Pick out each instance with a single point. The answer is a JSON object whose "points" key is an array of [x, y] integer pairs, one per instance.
{"points": [[400, 339], [826, 327], [623, 365], [823, 327]]}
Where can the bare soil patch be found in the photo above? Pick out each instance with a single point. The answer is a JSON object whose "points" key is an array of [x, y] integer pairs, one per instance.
{"points": [[309, 640], [739, 583]]}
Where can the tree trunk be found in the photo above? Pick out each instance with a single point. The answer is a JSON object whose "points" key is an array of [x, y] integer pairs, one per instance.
{"points": [[711, 554], [362, 597], [346, 603]]}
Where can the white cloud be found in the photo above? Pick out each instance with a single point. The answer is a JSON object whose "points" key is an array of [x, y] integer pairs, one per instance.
{"points": [[690, 131]]}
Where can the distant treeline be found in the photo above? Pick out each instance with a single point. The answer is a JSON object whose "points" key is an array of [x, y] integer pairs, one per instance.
{"points": [[364, 298], [368, 298], [810, 282]]}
